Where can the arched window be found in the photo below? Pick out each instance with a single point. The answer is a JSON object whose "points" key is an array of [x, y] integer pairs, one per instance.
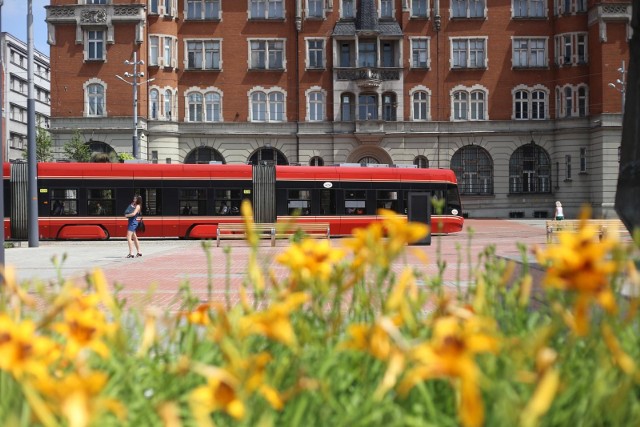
{"points": [[204, 155], [195, 107], [522, 105], [421, 162], [95, 99], [258, 107], [473, 167], [168, 104], [153, 104], [477, 105], [369, 160], [276, 107], [368, 107], [530, 170], [347, 107], [460, 105], [268, 154], [316, 106], [469, 103], [212, 107], [267, 106], [316, 161], [420, 106]]}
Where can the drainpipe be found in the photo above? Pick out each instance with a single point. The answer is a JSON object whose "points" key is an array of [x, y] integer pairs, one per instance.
{"points": [[436, 26], [297, 63]]}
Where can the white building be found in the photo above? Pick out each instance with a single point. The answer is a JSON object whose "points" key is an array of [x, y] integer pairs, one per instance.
{"points": [[16, 91]]}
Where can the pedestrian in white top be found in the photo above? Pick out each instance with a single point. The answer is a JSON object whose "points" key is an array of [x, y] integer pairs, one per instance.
{"points": [[559, 213]]}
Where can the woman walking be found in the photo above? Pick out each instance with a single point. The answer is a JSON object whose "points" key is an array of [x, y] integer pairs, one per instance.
{"points": [[134, 214]]}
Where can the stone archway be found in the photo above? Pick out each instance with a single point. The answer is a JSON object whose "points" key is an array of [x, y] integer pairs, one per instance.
{"points": [[371, 152], [101, 152], [203, 155], [268, 154]]}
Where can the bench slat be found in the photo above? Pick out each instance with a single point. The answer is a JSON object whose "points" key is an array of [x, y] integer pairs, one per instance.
{"points": [[271, 230], [573, 225]]}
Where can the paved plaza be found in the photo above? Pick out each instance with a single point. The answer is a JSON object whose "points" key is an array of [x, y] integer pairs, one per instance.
{"points": [[168, 263]]}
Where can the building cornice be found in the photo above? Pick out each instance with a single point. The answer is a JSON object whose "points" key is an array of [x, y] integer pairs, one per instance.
{"points": [[610, 12], [84, 16]]}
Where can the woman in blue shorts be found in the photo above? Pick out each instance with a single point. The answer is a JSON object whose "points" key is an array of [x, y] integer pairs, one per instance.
{"points": [[133, 213]]}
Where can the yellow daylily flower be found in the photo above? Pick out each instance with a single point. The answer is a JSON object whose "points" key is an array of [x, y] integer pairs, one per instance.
{"points": [[311, 260], [220, 393]]}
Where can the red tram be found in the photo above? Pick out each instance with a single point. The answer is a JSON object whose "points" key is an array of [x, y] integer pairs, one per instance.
{"points": [[87, 200]]}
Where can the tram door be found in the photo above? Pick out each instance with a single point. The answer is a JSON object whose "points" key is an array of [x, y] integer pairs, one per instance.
{"points": [[19, 201], [264, 192], [419, 210]]}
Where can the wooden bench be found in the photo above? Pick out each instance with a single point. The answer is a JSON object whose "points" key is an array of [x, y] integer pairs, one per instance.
{"points": [[573, 225], [272, 231]]}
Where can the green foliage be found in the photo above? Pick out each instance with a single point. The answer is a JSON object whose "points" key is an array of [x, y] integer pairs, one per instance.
{"points": [[125, 156], [44, 146], [76, 149]]}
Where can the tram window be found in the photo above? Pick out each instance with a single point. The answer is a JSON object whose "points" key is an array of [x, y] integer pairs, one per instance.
{"points": [[355, 202], [453, 201], [151, 200], [64, 202], [387, 200], [299, 202], [100, 202], [193, 201], [437, 202], [327, 202], [228, 201]]}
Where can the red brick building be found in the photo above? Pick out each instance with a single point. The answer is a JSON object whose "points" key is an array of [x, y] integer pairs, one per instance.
{"points": [[513, 95]]}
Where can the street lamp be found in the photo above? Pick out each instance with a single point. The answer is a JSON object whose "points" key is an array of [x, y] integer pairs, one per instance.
{"points": [[621, 84], [135, 85]]}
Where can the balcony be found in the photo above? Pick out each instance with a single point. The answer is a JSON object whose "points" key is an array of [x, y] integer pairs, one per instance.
{"points": [[368, 77]]}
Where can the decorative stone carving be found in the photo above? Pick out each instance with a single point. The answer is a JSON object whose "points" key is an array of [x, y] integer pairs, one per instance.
{"points": [[604, 13], [97, 16], [62, 12], [126, 11], [368, 74]]}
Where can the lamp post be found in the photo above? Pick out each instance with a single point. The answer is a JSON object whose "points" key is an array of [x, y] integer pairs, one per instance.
{"points": [[134, 84], [2, 142], [621, 84]]}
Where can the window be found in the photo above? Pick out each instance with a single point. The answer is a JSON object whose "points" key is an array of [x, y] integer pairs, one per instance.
{"points": [[347, 107], [315, 8], [153, 7], [421, 162], [212, 107], [153, 104], [267, 106], [387, 199], [94, 47], [388, 54], [389, 105], [467, 8], [168, 7], [168, 104], [203, 9], [315, 49], [419, 9], [468, 53], [266, 9], [267, 54], [583, 160], [192, 201], [63, 201], [386, 9], [316, 100], [152, 200], [469, 103], [348, 9], [473, 167], [530, 103], [368, 107], [529, 170], [420, 52], [203, 156], [227, 202], [316, 161], [168, 51], [100, 202], [96, 2], [572, 101], [355, 202], [420, 105], [195, 107], [154, 50], [568, 7], [529, 53], [203, 54], [205, 107], [95, 100], [346, 57], [529, 8], [571, 49], [367, 53], [567, 167], [299, 202]]}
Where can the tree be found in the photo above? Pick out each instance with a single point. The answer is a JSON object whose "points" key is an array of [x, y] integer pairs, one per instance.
{"points": [[44, 146], [76, 150]]}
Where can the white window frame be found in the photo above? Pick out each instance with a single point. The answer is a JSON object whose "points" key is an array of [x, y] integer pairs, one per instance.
{"points": [[569, 43], [171, 102], [427, 102], [380, 8], [468, 9], [323, 50], [532, 103], [203, 10], [87, 106], [469, 52], [168, 8], [217, 47], [154, 59], [316, 109], [267, 5], [267, 53], [154, 113], [203, 106], [573, 102], [348, 12], [412, 42], [154, 7], [172, 43], [313, 4], [529, 9], [89, 41], [529, 51], [420, 15], [471, 104], [569, 7], [272, 106]]}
